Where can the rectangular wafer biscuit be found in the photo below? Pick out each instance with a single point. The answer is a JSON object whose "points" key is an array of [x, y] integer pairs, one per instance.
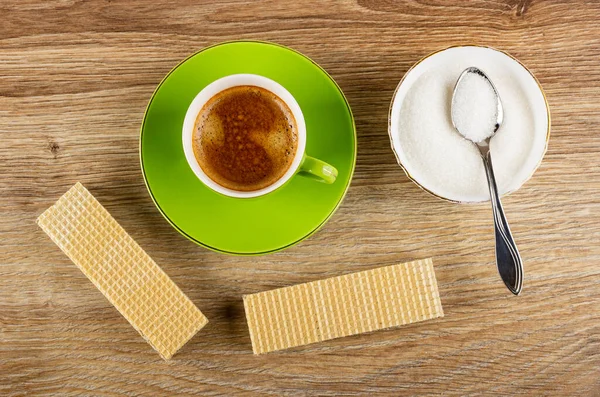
{"points": [[139, 289], [341, 306]]}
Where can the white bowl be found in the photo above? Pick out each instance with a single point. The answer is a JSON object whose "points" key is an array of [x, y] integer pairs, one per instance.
{"points": [[499, 66]]}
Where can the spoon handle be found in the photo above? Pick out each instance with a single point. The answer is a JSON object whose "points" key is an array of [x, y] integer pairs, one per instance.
{"points": [[508, 259]]}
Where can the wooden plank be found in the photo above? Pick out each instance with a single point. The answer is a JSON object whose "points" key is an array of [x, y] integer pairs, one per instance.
{"points": [[75, 78]]}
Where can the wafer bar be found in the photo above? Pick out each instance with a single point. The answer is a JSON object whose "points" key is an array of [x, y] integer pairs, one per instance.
{"points": [[144, 294], [341, 306]]}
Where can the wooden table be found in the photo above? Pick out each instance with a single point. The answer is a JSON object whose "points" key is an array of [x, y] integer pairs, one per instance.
{"points": [[75, 78]]}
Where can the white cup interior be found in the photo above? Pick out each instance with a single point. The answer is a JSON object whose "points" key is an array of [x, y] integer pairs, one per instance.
{"points": [[233, 81]]}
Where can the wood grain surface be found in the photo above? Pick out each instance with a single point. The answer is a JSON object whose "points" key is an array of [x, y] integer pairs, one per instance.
{"points": [[75, 77]]}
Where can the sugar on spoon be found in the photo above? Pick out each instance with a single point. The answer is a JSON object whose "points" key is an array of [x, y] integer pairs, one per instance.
{"points": [[477, 114]]}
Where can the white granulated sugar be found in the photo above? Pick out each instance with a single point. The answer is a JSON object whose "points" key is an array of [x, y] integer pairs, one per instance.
{"points": [[474, 107], [440, 158]]}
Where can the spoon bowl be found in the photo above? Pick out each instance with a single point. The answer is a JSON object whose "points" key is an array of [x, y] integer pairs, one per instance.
{"points": [[465, 98]]}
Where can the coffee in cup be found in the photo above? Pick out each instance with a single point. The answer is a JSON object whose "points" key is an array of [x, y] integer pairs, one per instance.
{"points": [[245, 138]]}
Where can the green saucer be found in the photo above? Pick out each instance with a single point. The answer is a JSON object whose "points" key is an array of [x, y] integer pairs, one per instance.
{"points": [[256, 225]]}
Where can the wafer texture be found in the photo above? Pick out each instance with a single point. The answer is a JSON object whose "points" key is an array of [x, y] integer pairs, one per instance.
{"points": [[85, 231], [341, 306]]}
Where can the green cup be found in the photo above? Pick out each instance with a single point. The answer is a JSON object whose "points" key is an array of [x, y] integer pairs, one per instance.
{"points": [[302, 164]]}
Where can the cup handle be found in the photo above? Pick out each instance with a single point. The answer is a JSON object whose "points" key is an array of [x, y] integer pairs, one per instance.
{"points": [[318, 170]]}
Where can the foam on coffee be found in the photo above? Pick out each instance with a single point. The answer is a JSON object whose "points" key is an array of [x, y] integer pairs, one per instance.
{"points": [[245, 138]]}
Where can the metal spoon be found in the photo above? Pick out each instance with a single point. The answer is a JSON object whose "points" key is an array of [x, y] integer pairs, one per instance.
{"points": [[508, 259]]}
